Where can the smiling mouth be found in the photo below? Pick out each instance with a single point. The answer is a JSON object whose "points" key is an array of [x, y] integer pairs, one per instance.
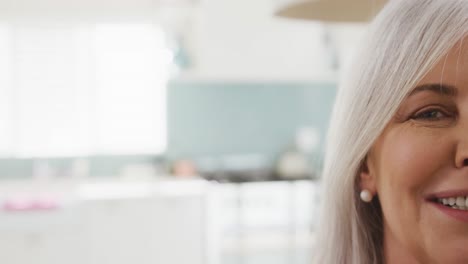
{"points": [[459, 202]]}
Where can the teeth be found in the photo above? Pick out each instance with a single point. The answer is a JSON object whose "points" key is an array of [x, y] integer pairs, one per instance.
{"points": [[452, 201], [460, 202]]}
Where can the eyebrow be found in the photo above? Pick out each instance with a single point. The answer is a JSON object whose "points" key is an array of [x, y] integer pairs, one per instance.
{"points": [[440, 88]]}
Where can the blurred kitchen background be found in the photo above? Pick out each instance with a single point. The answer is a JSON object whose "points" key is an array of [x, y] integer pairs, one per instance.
{"points": [[167, 131]]}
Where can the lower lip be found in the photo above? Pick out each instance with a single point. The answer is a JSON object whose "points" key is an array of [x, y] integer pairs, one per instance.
{"points": [[460, 215]]}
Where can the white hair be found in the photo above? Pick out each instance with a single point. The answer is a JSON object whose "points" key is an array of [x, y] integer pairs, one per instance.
{"points": [[403, 43]]}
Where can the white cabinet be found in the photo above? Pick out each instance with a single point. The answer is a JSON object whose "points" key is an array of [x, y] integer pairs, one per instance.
{"points": [[267, 222], [178, 222], [167, 225]]}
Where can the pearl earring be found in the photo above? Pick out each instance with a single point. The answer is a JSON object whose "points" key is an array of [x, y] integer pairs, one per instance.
{"points": [[366, 196]]}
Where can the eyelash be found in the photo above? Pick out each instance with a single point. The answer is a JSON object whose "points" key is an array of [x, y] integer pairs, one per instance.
{"points": [[421, 115]]}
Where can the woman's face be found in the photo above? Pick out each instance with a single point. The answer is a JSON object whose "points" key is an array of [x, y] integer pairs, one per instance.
{"points": [[421, 158]]}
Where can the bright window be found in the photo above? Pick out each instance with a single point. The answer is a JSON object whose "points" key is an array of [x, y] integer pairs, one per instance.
{"points": [[73, 90]]}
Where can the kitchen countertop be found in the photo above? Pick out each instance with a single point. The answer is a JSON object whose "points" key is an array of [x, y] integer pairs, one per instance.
{"points": [[33, 195]]}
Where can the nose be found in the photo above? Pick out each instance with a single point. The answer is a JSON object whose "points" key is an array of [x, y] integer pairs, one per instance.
{"points": [[461, 149], [461, 159]]}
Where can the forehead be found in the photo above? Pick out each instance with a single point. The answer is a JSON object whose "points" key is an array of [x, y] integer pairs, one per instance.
{"points": [[452, 68]]}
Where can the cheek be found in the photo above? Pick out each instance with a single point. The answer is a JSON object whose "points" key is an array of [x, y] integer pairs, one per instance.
{"points": [[406, 164], [408, 161]]}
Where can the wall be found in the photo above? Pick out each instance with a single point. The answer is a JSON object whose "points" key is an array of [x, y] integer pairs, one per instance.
{"points": [[242, 40], [216, 118], [228, 101]]}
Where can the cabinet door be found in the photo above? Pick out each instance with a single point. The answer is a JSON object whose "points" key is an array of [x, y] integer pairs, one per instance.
{"points": [[39, 237], [156, 229], [145, 231]]}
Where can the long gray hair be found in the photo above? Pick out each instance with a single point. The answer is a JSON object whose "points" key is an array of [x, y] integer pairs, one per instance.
{"points": [[403, 43]]}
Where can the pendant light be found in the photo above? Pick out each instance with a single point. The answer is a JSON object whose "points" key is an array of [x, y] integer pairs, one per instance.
{"points": [[332, 10]]}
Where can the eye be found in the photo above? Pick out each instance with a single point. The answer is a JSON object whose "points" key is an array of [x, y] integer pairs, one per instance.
{"points": [[433, 114]]}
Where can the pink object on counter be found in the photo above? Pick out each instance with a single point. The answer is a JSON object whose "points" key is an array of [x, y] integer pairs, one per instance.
{"points": [[30, 204]]}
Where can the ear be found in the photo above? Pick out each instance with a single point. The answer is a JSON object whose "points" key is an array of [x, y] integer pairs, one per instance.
{"points": [[367, 178]]}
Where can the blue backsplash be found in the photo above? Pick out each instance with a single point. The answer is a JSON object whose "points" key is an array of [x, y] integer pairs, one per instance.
{"points": [[217, 118], [213, 119]]}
